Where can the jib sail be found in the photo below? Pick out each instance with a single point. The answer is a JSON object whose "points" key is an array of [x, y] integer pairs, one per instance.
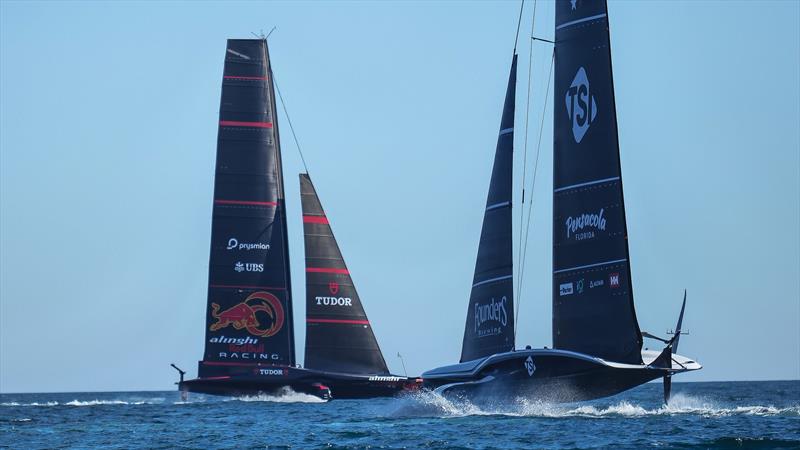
{"points": [[593, 308], [490, 316], [339, 337], [249, 315]]}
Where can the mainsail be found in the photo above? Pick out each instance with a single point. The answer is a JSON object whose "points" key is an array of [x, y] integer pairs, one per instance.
{"points": [[339, 337], [593, 310], [490, 316], [249, 316]]}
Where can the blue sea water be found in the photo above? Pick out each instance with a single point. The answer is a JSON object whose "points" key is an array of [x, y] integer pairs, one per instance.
{"points": [[701, 415]]}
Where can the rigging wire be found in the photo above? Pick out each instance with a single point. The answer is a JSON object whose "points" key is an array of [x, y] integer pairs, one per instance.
{"points": [[519, 22], [289, 120], [524, 168], [535, 170]]}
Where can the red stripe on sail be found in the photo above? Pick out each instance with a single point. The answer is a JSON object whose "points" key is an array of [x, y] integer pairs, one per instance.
{"points": [[232, 77], [237, 123], [315, 219], [355, 322], [327, 270], [236, 286], [244, 202]]}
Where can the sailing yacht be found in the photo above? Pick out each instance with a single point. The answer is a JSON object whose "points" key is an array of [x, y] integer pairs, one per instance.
{"points": [[249, 342], [597, 343]]}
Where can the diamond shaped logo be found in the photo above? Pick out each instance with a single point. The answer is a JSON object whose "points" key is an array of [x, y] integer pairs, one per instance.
{"points": [[530, 366], [581, 106]]}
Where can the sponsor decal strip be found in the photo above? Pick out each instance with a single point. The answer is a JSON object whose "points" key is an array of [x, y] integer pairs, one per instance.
{"points": [[356, 322], [315, 219], [588, 183], [327, 270], [232, 77], [498, 205], [225, 363], [604, 263], [236, 286], [244, 202], [575, 22], [506, 131], [238, 123], [492, 280]]}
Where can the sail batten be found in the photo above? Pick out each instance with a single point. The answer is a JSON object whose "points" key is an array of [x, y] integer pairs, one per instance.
{"points": [[489, 326], [593, 310], [249, 315], [339, 337]]}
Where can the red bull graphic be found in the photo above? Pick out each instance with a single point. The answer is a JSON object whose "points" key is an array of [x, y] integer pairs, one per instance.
{"points": [[246, 315]]}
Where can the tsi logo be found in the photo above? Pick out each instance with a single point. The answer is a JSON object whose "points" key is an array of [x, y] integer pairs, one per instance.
{"points": [[530, 366], [565, 289], [248, 267], [581, 107]]}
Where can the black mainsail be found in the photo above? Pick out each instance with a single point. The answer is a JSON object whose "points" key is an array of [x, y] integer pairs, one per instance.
{"points": [[339, 337], [490, 316], [249, 316], [593, 310]]}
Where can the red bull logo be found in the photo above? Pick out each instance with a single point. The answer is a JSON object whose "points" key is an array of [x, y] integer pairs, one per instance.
{"points": [[246, 315]]}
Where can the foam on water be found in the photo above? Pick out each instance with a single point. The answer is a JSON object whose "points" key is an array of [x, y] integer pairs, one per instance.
{"points": [[430, 404], [286, 395]]}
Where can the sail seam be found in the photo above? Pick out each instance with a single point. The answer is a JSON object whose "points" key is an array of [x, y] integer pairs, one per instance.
{"points": [[588, 183], [492, 280], [604, 263], [498, 205], [506, 131], [575, 22]]}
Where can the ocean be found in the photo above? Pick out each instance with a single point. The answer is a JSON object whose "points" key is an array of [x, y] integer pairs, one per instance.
{"points": [[736, 415]]}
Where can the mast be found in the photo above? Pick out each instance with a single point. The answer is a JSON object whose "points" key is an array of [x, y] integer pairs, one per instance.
{"points": [[593, 310], [249, 313], [490, 316], [339, 337]]}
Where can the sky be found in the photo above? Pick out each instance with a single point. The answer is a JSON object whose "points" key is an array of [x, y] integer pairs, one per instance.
{"points": [[108, 122]]}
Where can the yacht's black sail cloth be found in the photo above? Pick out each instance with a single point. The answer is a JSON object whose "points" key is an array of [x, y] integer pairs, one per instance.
{"points": [[490, 317], [339, 337], [593, 308], [249, 315]]}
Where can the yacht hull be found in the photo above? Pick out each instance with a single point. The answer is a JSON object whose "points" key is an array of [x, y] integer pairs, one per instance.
{"points": [[255, 379], [555, 376]]}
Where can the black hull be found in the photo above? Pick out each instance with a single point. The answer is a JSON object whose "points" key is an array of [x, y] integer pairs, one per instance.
{"points": [[554, 376], [274, 380]]}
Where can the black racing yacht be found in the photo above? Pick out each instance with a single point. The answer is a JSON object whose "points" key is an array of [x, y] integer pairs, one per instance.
{"points": [[597, 343], [249, 344]]}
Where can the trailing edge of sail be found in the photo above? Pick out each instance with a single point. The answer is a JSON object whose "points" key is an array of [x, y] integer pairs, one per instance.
{"points": [[593, 309], [339, 337], [249, 315], [490, 316]]}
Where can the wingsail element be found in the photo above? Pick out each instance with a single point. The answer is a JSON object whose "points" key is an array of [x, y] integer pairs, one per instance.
{"points": [[490, 317], [249, 315], [593, 310], [339, 337]]}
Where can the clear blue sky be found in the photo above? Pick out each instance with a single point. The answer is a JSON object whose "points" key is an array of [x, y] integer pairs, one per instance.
{"points": [[108, 129]]}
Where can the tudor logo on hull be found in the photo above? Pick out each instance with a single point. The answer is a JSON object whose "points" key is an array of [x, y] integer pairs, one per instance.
{"points": [[494, 314], [581, 105]]}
